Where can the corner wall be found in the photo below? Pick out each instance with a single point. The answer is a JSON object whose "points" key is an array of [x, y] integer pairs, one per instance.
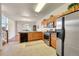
{"points": [[11, 29]]}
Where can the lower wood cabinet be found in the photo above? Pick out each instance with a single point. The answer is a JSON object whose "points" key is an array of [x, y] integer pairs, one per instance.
{"points": [[30, 36], [53, 40], [23, 37], [35, 36]]}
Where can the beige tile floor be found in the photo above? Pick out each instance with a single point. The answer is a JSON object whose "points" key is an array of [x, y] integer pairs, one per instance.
{"points": [[10, 48]]}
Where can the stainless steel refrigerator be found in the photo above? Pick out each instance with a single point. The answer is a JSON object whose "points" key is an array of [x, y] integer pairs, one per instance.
{"points": [[71, 42]]}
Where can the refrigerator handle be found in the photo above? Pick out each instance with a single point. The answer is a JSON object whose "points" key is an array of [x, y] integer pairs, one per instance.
{"points": [[63, 36]]}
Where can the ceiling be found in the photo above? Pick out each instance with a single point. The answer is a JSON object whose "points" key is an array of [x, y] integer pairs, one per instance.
{"points": [[25, 11]]}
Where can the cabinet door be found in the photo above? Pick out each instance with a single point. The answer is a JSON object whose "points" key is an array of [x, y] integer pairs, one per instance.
{"points": [[32, 36], [23, 37], [53, 40]]}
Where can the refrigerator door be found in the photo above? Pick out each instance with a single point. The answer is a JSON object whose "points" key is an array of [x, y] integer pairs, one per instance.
{"points": [[71, 47], [72, 34]]}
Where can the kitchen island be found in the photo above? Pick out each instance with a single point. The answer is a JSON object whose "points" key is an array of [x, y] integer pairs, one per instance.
{"points": [[30, 36]]}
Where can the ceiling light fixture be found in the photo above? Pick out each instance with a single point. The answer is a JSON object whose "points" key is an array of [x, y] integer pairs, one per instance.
{"points": [[39, 7]]}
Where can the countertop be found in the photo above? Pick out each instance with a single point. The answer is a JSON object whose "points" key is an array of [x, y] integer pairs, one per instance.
{"points": [[28, 31]]}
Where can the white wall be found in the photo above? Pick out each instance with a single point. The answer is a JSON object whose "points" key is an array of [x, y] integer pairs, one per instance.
{"points": [[21, 25], [11, 28], [0, 33], [0, 30], [15, 27]]}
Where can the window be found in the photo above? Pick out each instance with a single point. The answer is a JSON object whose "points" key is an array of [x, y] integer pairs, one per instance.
{"points": [[4, 22]]}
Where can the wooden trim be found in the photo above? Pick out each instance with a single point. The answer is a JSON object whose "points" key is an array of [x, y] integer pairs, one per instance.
{"points": [[68, 13]]}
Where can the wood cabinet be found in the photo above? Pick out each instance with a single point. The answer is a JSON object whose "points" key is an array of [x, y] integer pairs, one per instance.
{"points": [[30, 36], [23, 37], [53, 40], [35, 36]]}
